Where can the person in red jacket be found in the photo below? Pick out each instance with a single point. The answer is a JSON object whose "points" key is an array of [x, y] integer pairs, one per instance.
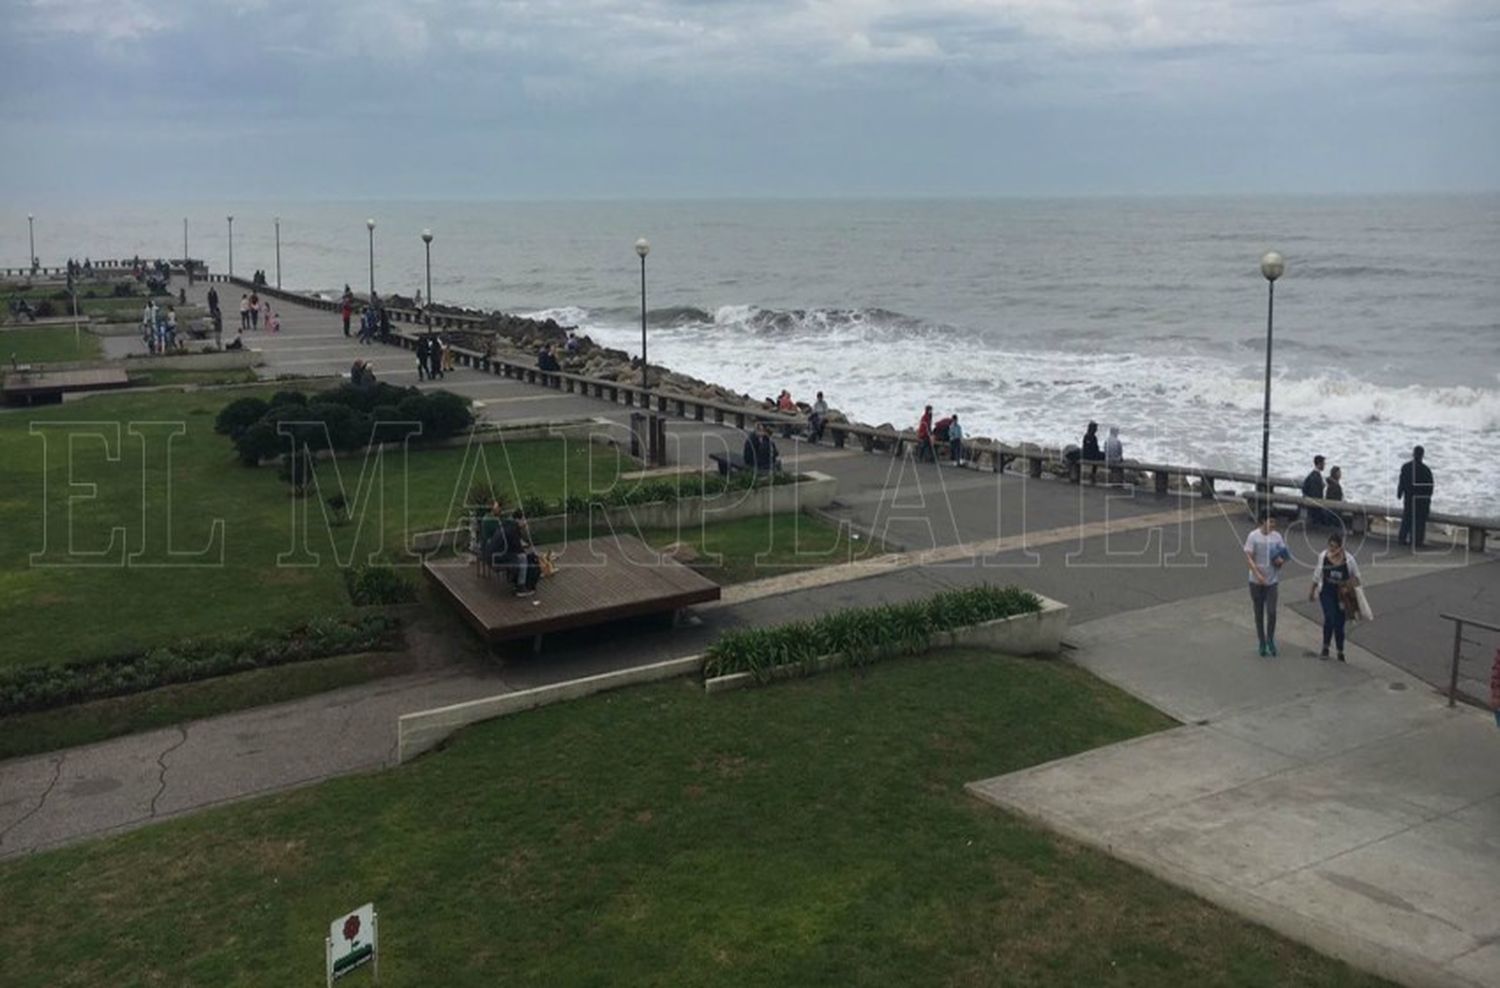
{"points": [[348, 311], [924, 436]]}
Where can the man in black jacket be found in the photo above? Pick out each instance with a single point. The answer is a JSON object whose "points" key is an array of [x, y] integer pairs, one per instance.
{"points": [[760, 451], [1312, 486], [1415, 491]]}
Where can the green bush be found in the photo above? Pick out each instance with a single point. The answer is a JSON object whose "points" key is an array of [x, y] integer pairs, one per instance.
{"points": [[239, 415], [861, 635], [343, 419], [381, 585], [44, 687]]}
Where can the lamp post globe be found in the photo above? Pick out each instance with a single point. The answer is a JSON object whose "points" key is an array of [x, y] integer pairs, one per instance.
{"points": [[643, 247], [1272, 266]]}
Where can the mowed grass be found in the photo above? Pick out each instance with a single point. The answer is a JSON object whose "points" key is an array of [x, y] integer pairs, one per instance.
{"points": [[47, 344], [102, 539], [811, 833], [773, 545]]}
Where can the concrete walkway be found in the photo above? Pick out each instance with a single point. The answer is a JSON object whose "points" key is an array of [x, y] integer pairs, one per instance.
{"points": [[1342, 805]]}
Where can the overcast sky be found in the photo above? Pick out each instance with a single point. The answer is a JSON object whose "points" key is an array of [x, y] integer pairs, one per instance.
{"points": [[251, 99]]}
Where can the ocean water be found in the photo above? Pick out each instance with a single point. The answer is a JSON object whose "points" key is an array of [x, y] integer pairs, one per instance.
{"points": [[1028, 318]]}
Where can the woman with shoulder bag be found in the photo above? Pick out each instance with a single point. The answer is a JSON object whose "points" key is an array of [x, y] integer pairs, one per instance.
{"points": [[1335, 578]]}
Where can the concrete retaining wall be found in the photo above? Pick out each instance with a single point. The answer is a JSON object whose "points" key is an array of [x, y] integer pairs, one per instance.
{"points": [[423, 731], [1040, 633], [213, 360]]}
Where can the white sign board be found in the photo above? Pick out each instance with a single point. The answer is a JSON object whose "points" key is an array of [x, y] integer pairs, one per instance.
{"points": [[352, 942]]}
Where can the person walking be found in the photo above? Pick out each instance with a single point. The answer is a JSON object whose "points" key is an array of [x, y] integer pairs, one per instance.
{"points": [[245, 311], [254, 310], [1266, 553], [1334, 491], [348, 310], [213, 302], [424, 344], [1414, 488], [1334, 578]]}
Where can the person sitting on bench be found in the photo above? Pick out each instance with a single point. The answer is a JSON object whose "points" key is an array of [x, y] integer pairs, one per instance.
{"points": [[760, 450], [510, 549]]}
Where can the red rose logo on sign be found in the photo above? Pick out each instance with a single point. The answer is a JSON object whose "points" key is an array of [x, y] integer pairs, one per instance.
{"points": [[351, 928]]}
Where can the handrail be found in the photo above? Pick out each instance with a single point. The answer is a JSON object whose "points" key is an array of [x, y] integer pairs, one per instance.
{"points": [[1458, 640]]}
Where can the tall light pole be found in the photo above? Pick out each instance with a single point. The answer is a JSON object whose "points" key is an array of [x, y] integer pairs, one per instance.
{"points": [[231, 245], [643, 247], [1272, 266], [370, 225], [278, 253], [184, 242], [427, 242], [31, 240]]}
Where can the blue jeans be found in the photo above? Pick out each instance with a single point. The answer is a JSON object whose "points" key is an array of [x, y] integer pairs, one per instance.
{"points": [[1333, 616]]}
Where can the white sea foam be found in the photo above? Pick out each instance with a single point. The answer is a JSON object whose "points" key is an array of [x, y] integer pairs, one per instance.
{"points": [[1181, 407]]}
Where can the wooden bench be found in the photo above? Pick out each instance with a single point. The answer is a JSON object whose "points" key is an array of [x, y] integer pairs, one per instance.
{"points": [[597, 580]]}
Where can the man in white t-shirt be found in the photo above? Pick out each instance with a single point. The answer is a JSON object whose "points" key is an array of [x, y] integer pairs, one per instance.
{"points": [[1266, 552]]}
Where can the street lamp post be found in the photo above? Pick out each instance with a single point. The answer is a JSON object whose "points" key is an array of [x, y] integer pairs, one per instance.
{"points": [[1272, 266], [278, 253], [370, 225], [427, 243], [31, 241], [184, 241], [643, 247], [231, 245]]}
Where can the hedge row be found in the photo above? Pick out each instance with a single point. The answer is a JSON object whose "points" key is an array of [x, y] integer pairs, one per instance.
{"points": [[343, 419], [45, 687], [861, 635], [629, 495]]}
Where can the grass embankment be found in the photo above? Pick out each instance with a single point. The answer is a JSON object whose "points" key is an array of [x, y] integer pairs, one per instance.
{"points": [[147, 505], [47, 344], [758, 548], [811, 833], [85, 723]]}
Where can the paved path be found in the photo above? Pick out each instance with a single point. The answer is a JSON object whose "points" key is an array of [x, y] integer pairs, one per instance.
{"points": [[1340, 804], [1344, 804]]}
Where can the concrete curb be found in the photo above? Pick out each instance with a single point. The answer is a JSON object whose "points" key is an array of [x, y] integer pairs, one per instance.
{"points": [[1037, 633], [425, 729]]}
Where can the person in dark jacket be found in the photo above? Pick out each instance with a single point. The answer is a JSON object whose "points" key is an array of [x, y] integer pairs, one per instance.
{"points": [[1091, 449], [760, 450], [1414, 488], [1312, 486], [423, 350]]}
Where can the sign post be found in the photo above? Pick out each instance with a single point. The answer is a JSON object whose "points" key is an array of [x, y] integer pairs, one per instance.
{"points": [[352, 942]]}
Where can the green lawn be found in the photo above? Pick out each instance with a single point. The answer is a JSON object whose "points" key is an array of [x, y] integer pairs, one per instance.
{"points": [[811, 833], [47, 344], [79, 599], [157, 378], [757, 548]]}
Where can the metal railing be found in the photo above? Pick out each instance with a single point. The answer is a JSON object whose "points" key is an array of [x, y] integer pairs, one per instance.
{"points": [[1458, 643]]}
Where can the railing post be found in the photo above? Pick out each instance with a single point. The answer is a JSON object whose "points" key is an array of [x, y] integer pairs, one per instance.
{"points": [[1458, 639]]}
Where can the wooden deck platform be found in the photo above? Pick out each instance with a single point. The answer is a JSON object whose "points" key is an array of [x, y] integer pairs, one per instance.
{"points": [[47, 387], [597, 580]]}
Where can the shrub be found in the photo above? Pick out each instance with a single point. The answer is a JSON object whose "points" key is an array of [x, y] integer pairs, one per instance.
{"points": [[259, 442], [535, 506], [861, 635], [123, 289], [44, 687], [378, 585], [288, 398], [239, 415]]}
